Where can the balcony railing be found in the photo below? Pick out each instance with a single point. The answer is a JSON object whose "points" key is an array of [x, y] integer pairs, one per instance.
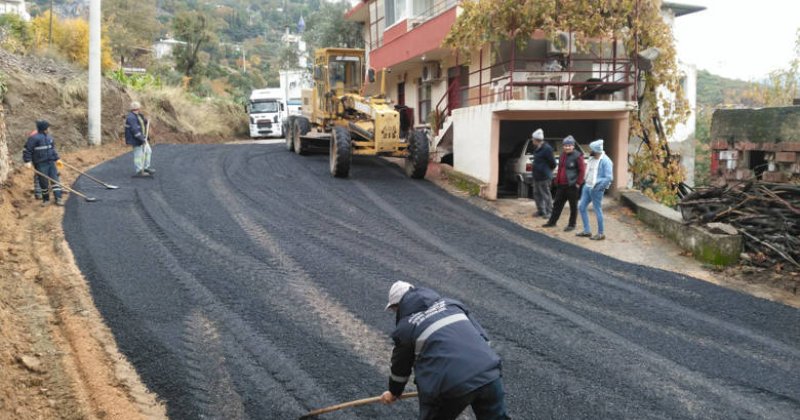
{"points": [[539, 79]]}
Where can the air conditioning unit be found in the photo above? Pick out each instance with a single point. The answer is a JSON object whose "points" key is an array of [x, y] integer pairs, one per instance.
{"points": [[430, 72], [563, 43]]}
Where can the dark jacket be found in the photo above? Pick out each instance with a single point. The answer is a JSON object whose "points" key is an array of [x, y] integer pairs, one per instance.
{"points": [[39, 148], [543, 163], [450, 357], [135, 126], [571, 169]]}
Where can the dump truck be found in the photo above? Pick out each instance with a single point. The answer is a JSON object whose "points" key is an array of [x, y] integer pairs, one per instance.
{"points": [[335, 115]]}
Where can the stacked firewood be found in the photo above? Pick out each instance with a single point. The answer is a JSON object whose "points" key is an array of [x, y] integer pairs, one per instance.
{"points": [[766, 215]]}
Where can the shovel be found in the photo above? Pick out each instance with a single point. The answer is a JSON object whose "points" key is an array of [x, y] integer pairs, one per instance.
{"points": [[80, 194], [108, 186], [355, 403]]}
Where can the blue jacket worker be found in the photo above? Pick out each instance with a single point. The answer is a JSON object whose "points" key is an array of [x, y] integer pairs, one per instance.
{"points": [[599, 175], [136, 135], [40, 153], [449, 351]]}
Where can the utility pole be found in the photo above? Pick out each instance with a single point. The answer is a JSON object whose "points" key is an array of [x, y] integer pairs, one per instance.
{"points": [[95, 78], [50, 32]]}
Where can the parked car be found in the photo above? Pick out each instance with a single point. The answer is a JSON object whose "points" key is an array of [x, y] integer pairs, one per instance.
{"points": [[518, 168]]}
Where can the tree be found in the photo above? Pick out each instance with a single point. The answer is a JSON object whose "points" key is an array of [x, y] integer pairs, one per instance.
{"points": [[70, 39], [637, 22], [196, 29], [131, 27], [326, 27], [15, 33]]}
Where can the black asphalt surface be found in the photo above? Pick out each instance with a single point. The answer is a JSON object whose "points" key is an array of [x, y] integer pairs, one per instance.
{"points": [[245, 282]]}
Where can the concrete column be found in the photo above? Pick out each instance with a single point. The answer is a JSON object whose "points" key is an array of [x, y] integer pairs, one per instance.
{"points": [[619, 151], [95, 77]]}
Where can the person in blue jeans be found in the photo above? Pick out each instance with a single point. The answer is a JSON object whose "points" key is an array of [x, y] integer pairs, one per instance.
{"points": [[599, 174], [449, 351]]}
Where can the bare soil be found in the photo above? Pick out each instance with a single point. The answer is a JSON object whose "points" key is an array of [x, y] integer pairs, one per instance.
{"points": [[58, 358]]}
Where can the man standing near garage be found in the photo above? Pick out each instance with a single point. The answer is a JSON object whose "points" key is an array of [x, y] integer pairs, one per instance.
{"points": [[543, 164], [569, 179], [449, 351]]}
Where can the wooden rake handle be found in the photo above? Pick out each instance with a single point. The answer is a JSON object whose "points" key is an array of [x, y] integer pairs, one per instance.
{"points": [[354, 403], [78, 193]]}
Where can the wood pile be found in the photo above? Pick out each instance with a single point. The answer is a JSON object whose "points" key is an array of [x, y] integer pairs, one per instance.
{"points": [[766, 215]]}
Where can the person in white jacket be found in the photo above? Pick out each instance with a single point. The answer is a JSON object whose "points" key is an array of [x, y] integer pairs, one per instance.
{"points": [[599, 175]]}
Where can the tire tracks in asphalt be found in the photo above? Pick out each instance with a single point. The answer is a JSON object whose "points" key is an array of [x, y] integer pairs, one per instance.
{"points": [[731, 394], [294, 384]]}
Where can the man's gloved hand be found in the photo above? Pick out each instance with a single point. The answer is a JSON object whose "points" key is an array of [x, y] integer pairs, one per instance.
{"points": [[388, 398], [59, 164], [29, 165]]}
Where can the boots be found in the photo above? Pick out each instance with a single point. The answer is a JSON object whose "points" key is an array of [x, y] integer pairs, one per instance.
{"points": [[59, 201]]}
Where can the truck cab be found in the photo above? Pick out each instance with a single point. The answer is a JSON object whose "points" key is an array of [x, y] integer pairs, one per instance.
{"points": [[267, 111]]}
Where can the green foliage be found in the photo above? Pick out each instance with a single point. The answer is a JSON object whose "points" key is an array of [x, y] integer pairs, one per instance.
{"points": [[197, 29], [15, 34], [135, 81], [131, 28], [327, 27]]}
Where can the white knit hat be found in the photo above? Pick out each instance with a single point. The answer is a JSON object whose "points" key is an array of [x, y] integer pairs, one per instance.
{"points": [[397, 291], [538, 134]]}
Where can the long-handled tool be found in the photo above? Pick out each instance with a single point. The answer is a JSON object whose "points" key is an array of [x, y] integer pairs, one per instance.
{"points": [[78, 193], [355, 403], [108, 186]]}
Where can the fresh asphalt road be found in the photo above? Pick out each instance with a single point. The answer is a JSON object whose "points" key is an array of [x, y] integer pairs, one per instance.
{"points": [[245, 282]]}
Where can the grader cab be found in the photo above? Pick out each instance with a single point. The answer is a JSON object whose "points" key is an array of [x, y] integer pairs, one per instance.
{"points": [[336, 115]]}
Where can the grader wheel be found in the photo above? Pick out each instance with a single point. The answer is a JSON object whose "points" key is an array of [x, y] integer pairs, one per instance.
{"points": [[417, 161], [340, 152]]}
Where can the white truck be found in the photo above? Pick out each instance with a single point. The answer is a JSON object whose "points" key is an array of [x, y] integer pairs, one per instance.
{"points": [[267, 111]]}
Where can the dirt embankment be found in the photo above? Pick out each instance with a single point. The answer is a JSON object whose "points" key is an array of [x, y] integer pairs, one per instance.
{"points": [[57, 357]]}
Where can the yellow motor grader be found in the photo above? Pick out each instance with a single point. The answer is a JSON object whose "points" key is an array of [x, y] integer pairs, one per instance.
{"points": [[336, 115]]}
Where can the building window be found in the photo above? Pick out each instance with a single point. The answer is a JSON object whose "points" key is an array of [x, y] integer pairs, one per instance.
{"points": [[424, 95], [423, 8], [395, 11]]}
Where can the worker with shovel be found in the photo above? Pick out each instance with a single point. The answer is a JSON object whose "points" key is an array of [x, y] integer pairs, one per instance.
{"points": [[40, 154], [449, 351], [136, 135]]}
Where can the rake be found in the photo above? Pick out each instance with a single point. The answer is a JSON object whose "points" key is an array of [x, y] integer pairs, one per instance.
{"points": [[78, 193], [354, 403], [108, 186]]}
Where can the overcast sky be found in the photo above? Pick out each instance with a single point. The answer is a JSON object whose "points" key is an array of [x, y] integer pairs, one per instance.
{"points": [[740, 39]]}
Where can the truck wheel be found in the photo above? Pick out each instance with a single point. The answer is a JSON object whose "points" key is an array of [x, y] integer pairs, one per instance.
{"points": [[301, 128], [340, 152], [289, 134], [417, 159]]}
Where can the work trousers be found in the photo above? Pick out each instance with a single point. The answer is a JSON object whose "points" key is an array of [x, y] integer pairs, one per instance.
{"points": [[49, 169], [487, 402], [565, 193], [141, 156], [542, 197], [595, 195]]}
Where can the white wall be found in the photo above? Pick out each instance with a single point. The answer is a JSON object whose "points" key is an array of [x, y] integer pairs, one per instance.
{"points": [[472, 141]]}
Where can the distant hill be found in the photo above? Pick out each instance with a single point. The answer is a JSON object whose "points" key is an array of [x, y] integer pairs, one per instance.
{"points": [[713, 90]]}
